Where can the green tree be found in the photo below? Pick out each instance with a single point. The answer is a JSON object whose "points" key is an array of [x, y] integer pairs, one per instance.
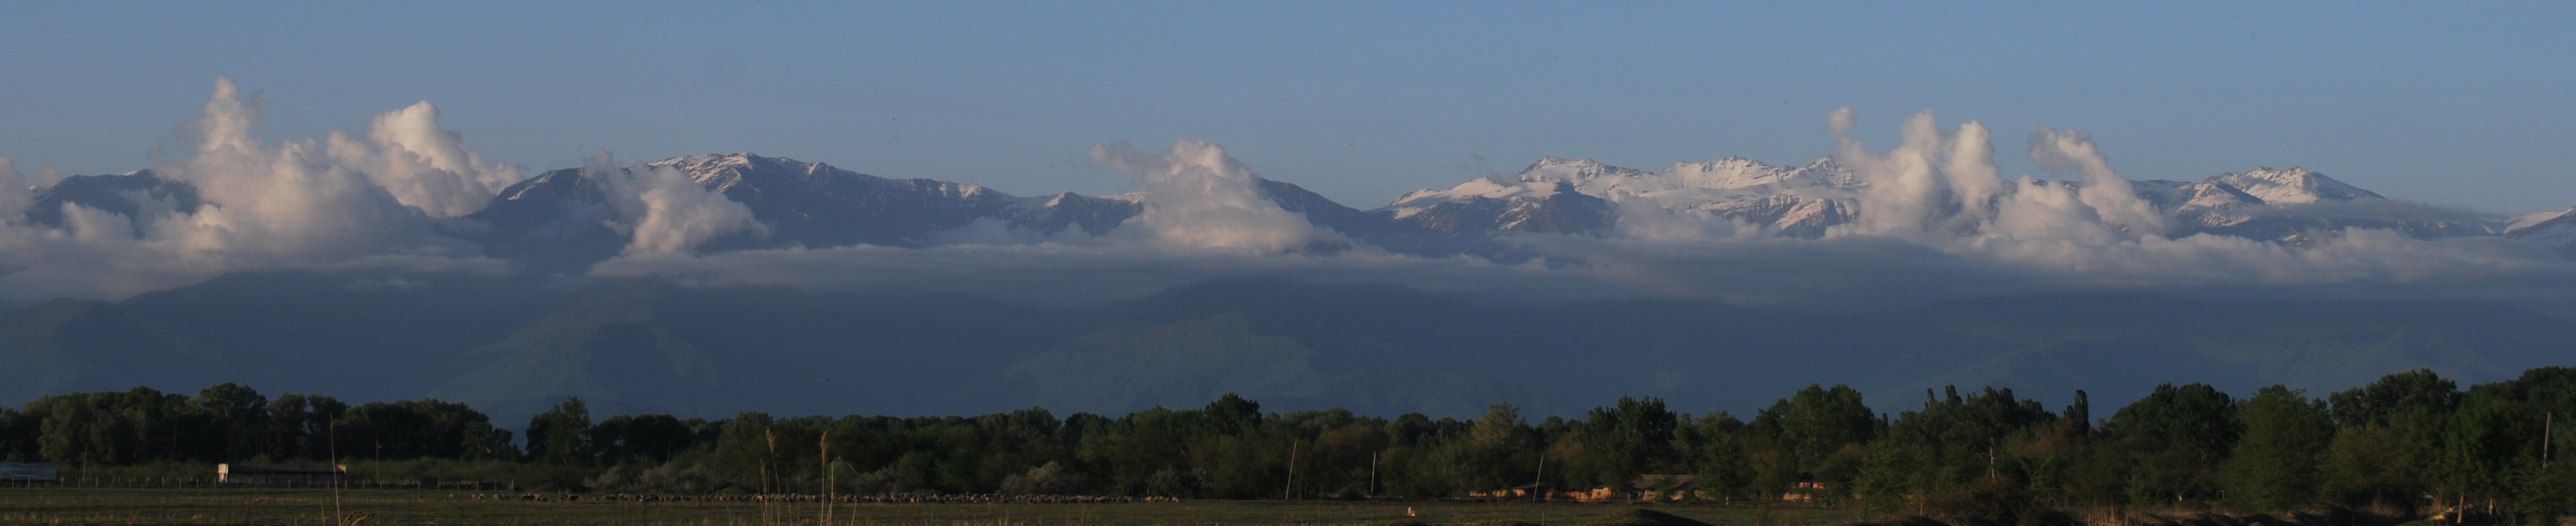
{"points": [[239, 419], [1816, 422], [18, 434], [1634, 437], [1496, 453], [64, 432], [429, 428], [1895, 475], [1232, 414], [654, 438], [561, 435], [2173, 441], [2411, 409], [1725, 471], [2481, 447], [1820, 431], [2365, 467], [743, 453], [322, 416], [2274, 466], [2390, 398], [287, 430]]}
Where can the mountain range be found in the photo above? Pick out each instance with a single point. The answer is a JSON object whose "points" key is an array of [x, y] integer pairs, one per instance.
{"points": [[556, 219], [514, 343]]}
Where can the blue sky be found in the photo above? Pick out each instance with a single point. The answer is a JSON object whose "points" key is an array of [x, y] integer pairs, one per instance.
{"points": [[2452, 104]]}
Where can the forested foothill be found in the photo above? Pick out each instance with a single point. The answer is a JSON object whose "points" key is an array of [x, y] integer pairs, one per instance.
{"points": [[2411, 444]]}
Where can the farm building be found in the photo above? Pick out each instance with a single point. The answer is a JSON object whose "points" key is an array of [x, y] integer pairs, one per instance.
{"points": [[27, 471]]}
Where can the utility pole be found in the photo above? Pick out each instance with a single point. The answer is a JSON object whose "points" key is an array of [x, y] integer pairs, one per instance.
{"points": [[1287, 492], [765, 478], [1990, 460], [331, 434], [1539, 486], [831, 479]]}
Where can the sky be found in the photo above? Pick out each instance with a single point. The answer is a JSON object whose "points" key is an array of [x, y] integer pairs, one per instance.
{"points": [[2454, 105]]}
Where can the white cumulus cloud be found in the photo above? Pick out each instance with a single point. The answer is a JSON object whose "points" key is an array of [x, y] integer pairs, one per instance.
{"points": [[293, 204], [1198, 198]]}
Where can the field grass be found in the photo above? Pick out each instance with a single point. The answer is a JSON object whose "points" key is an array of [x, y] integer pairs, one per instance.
{"points": [[414, 507]]}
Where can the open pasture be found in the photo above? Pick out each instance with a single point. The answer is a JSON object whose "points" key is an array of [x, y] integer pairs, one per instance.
{"points": [[415, 507]]}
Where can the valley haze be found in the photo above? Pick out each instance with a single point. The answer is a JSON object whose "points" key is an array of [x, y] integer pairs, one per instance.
{"points": [[395, 261]]}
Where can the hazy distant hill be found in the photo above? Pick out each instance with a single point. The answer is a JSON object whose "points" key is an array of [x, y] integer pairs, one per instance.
{"points": [[514, 345]]}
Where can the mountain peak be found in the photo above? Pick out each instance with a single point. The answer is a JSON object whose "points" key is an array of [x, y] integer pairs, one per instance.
{"points": [[2527, 221], [132, 194], [2292, 186], [1555, 168], [2556, 230], [699, 164]]}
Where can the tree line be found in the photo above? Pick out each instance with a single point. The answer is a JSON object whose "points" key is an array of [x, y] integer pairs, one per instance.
{"points": [[2401, 443]]}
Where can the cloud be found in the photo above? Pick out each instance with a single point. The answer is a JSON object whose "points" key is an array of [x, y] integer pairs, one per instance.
{"points": [[1640, 219], [664, 210], [1903, 185], [296, 204], [2096, 233], [422, 165], [2112, 198], [1198, 198], [2388, 210]]}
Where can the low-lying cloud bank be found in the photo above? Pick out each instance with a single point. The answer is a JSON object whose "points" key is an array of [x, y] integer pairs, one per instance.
{"points": [[1938, 221]]}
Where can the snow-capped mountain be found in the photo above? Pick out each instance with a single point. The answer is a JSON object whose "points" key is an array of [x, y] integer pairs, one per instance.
{"points": [[2291, 206], [1581, 196], [2224, 200], [564, 219], [559, 217], [2556, 230], [560, 214]]}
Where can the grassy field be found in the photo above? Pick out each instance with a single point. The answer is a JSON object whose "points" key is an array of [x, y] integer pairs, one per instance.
{"points": [[412, 507]]}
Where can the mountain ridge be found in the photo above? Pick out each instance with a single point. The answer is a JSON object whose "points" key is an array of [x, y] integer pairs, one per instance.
{"points": [[561, 220]]}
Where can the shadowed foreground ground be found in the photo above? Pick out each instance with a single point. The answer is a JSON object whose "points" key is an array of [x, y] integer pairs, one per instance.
{"points": [[408, 507]]}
